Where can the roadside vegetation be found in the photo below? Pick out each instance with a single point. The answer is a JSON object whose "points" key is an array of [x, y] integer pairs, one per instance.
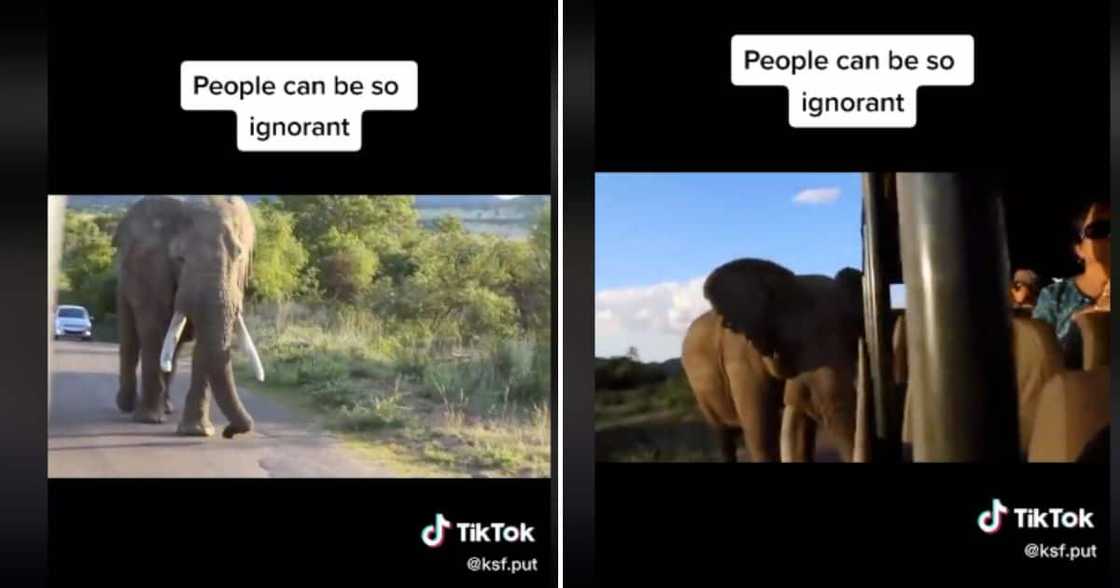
{"points": [[421, 342], [647, 412]]}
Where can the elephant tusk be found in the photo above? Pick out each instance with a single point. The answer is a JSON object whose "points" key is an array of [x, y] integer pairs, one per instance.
{"points": [[171, 341], [247, 345]]}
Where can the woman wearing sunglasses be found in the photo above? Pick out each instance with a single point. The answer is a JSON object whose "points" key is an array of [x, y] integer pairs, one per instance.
{"points": [[1088, 291]]}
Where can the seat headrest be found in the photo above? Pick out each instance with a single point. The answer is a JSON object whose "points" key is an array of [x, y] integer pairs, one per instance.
{"points": [[1095, 331], [1034, 341], [1038, 358], [1072, 411]]}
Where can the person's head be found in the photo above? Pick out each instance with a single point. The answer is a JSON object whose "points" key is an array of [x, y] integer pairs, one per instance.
{"points": [[1024, 288], [1091, 242]]}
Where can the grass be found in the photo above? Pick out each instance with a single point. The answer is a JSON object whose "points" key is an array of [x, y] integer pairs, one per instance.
{"points": [[671, 397], [478, 412], [653, 422]]}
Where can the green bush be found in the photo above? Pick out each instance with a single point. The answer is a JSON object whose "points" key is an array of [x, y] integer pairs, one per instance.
{"points": [[514, 371], [335, 394], [375, 412], [623, 373], [318, 369], [674, 393], [525, 367]]}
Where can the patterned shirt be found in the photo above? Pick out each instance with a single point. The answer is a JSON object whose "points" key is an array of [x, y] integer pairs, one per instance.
{"points": [[1056, 305]]}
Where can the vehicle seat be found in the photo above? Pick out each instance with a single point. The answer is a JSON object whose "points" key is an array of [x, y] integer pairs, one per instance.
{"points": [[1037, 358], [1073, 410], [1095, 333]]}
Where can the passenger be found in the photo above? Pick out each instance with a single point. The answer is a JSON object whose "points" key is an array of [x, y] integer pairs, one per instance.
{"points": [[1088, 291], [1024, 292]]}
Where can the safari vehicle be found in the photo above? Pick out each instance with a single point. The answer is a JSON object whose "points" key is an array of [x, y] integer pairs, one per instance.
{"points": [[955, 377]]}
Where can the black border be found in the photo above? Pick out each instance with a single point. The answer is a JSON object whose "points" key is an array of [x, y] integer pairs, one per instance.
{"points": [[23, 148], [579, 287]]}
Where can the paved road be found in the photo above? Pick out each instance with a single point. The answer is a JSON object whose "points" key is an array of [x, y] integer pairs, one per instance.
{"points": [[89, 437]]}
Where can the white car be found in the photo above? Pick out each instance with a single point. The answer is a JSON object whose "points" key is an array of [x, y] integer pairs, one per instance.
{"points": [[73, 321]]}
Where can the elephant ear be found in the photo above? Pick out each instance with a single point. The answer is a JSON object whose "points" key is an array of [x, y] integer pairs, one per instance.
{"points": [[753, 296]]}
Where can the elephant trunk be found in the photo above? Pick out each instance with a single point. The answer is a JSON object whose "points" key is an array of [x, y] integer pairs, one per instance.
{"points": [[214, 334], [225, 394]]}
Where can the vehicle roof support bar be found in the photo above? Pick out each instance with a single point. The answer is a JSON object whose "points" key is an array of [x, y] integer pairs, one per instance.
{"points": [[887, 413], [955, 266]]}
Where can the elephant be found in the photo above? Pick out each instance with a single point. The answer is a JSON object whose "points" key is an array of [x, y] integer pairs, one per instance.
{"points": [[183, 268], [774, 338]]}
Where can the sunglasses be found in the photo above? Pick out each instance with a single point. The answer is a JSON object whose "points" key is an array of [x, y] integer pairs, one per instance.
{"points": [[1097, 230]]}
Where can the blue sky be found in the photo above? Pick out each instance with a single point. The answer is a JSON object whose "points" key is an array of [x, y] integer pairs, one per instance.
{"points": [[658, 227], [658, 235]]}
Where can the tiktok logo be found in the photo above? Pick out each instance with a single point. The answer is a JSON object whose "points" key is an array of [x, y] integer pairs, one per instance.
{"points": [[991, 520], [432, 535]]}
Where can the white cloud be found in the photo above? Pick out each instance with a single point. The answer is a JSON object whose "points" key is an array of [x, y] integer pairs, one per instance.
{"points": [[652, 318], [817, 196], [508, 196]]}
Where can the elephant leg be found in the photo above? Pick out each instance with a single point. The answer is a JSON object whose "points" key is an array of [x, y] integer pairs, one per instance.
{"points": [[152, 383], [799, 436], [195, 421], [757, 403], [725, 436], [129, 353], [726, 440]]}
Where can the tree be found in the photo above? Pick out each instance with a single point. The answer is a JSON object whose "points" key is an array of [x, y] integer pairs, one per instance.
{"points": [[87, 261], [459, 289], [381, 222], [347, 266], [347, 237], [531, 275], [279, 259], [632, 354]]}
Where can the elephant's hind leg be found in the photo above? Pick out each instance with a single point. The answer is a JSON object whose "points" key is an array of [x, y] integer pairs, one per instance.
{"points": [[129, 352]]}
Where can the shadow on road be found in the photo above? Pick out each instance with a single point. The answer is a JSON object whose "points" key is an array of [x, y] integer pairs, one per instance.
{"points": [[88, 349], [153, 433], [127, 445]]}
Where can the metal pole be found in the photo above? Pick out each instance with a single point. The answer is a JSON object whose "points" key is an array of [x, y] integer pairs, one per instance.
{"points": [[955, 266], [876, 294]]}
